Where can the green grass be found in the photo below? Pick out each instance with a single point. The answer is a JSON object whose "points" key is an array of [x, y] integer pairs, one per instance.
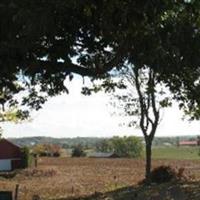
{"points": [[181, 153]]}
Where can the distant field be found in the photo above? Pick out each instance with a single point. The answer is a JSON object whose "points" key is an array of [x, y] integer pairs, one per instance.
{"points": [[180, 153], [56, 178]]}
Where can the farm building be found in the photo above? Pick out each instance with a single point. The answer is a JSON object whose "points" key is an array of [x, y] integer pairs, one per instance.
{"points": [[188, 143], [10, 156], [102, 155]]}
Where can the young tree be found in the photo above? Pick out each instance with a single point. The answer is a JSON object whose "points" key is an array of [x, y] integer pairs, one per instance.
{"points": [[130, 147], [104, 146], [143, 102], [142, 98]]}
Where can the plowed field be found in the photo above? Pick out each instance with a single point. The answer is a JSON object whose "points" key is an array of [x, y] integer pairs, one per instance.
{"points": [[63, 177]]}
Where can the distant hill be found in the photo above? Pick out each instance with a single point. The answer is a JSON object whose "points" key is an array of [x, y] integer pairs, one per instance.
{"points": [[64, 142], [89, 142]]}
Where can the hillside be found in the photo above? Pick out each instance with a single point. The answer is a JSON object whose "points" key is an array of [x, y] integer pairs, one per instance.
{"points": [[65, 142], [89, 141]]}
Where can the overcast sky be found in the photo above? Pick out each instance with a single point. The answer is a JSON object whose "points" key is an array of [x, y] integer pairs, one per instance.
{"points": [[72, 115]]}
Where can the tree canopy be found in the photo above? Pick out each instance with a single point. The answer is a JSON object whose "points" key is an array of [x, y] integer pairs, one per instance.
{"points": [[42, 42]]}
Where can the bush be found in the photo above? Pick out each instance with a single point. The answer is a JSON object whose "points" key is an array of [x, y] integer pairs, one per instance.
{"points": [[26, 158], [163, 174], [78, 151]]}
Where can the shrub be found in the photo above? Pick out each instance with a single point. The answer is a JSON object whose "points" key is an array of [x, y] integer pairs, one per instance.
{"points": [[163, 174], [78, 151], [26, 158]]}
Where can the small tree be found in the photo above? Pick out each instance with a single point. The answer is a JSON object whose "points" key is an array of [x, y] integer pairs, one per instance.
{"points": [[123, 146], [78, 151], [104, 145], [127, 146], [134, 146], [142, 98], [143, 103]]}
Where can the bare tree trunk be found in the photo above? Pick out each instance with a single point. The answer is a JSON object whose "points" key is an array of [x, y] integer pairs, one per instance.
{"points": [[148, 159]]}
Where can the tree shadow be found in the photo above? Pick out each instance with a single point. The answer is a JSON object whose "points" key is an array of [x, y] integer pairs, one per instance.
{"points": [[172, 190]]}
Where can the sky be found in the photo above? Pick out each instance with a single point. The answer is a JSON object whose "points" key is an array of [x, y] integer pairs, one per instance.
{"points": [[73, 115]]}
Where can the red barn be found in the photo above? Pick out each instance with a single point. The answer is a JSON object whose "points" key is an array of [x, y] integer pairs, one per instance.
{"points": [[10, 156]]}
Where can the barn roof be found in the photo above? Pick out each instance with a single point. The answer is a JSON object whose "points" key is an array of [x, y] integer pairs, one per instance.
{"points": [[9, 150], [188, 143], [102, 155]]}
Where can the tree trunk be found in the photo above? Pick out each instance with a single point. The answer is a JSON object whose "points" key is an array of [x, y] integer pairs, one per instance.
{"points": [[148, 159]]}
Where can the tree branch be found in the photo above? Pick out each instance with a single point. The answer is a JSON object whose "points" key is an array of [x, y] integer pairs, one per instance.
{"points": [[140, 101]]}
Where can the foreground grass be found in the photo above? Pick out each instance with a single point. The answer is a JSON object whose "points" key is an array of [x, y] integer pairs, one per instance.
{"points": [[180, 153], [166, 191]]}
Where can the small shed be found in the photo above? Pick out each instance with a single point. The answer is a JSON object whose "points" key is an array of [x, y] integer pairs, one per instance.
{"points": [[10, 156], [103, 155]]}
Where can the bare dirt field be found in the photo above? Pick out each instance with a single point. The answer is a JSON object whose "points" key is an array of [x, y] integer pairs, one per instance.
{"points": [[64, 177]]}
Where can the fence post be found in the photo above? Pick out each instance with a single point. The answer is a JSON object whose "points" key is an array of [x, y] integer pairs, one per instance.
{"points": [[35, 160], [16, 192]]}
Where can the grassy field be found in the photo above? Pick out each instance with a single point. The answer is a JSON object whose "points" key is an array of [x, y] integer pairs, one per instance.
{"points": [[180, 153], [59, 178]]}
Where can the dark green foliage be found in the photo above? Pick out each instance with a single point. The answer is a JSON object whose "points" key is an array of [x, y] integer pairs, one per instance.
{"points": [[163, 174], [39, 41], [78, 151], [26, 157]]}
